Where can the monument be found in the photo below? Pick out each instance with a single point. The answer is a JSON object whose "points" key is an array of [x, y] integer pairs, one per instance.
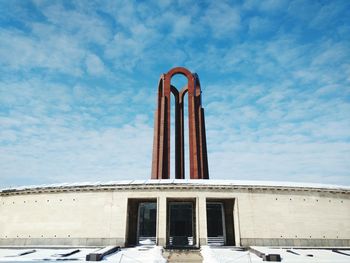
{"points": [[197, 138], [177, 213]]}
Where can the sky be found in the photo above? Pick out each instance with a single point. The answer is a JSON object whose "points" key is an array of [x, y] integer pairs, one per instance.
{"points": [[78, 82]]}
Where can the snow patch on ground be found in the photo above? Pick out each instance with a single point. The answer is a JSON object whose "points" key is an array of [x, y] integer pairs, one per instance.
{"points": [[149, 254], [153, 254], [147, 242], [146, 254], [11, 255], [226, 255], [306, 255]]}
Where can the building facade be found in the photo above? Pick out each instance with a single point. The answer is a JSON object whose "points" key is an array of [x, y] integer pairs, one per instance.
{"points": [[176, 213]]}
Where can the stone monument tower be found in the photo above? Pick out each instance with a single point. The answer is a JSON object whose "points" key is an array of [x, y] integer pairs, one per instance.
{"points": [[197, 138]]}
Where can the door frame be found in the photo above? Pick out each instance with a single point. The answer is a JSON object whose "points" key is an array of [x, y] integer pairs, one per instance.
{"points": [[222, 217], [138, 219], [230, 218], [132, 228], [191, 201]]}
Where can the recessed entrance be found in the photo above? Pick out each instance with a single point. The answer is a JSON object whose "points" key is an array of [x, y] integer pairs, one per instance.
{"points": [[215, 224], [147, 220], [181, 224], [220, 226], [141, 221]]}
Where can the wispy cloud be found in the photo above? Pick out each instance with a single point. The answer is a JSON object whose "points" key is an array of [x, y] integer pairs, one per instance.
{"points": [[78, 84]]}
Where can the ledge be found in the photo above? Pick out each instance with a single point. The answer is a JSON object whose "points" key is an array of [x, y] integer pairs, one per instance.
{"points": [[175, 184]]}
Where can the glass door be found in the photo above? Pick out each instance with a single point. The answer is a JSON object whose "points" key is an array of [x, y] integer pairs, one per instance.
{"points": [[181, 224], [215, 224], [147, 220]]}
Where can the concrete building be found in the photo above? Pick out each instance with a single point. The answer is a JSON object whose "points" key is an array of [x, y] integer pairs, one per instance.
{"points": [[176, 213]]}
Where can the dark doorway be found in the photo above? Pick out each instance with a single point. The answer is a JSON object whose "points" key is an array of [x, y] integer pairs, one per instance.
{"points": [[215, 224], [220, 226], [181, 224], [141, 221], [147, 221]]}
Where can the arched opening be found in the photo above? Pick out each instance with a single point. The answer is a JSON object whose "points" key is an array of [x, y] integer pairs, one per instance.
{"points": [[172, 133], [186, 136], [177, 82]]}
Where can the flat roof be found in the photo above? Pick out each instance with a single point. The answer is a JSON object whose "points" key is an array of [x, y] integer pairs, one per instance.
{"points": [[187, 182]]}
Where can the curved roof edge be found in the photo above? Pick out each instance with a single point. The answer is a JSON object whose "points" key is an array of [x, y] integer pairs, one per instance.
{"points": [[244, 183]]}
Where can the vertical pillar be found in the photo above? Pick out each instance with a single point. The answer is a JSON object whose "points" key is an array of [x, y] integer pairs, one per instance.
{"points": [[193, 134], [162, 221], [236, 225], [204, 154], [202, 219], [181, 141], [161, 143], [167, 124], [178, 147], [162, 155], [156, 132]]}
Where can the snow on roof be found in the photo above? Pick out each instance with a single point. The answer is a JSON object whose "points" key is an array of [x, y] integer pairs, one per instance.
{"points": [[182, 182]]}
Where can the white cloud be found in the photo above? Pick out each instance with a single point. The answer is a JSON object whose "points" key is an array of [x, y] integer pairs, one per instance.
{"points": [[78, 88], [258, 25], [267, 6], [277, 133], [51, 142], [125, 51], [223, 19], [282, 161], [327, 14], [21, 52], [72, 154], [94, 65], [83, 24]]}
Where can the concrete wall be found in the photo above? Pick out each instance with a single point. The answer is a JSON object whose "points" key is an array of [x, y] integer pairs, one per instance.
{"points": [[94, 217], [295, 218], [71, 218]]}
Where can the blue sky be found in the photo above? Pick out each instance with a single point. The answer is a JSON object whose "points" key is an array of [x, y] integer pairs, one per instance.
{"points": [[78, 85]]}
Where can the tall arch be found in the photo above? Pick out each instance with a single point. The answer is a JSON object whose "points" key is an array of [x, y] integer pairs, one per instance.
{"points": [[197, 141]]}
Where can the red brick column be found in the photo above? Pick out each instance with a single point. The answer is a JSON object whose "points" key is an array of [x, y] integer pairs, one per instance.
{"points": [[197, 139]]}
